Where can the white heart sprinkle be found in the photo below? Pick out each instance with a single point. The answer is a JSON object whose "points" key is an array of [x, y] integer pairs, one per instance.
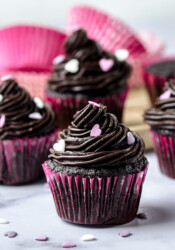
{"points": [[39, 103], [88, 237], [59, 146], [3, 221], [1, 98], [35, 116], [58, 59], [122, 54], [6, 77], [72, 66]]}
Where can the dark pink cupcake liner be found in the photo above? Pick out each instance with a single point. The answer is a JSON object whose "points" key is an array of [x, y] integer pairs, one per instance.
{"points": [[98, 200], [164, 147], [21, 159], [66, 107]]}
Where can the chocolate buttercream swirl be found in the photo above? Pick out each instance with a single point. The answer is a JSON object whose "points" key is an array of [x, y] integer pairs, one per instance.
{"points": [[89, 79], [16, 106], [162, 115], [108, 148]]}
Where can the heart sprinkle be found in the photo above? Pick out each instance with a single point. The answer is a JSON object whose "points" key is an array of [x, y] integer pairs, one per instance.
{"points": [[58, 59], [142, 216], [2, 121], [38, 102], [106, 64], [72, 66], [94, 104], [165, 95], [3, 221], [10, 234], [88, 237], [68, 245], [42, 238], [1, 98], [95, 131], [59, 146], [6, 77], [130, 138], [122, 54], [35, 116], [124, 234]]}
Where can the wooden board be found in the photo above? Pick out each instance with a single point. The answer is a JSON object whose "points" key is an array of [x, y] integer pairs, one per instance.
{"points": [[136, 103]]}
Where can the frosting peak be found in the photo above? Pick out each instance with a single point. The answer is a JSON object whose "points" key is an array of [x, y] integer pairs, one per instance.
{"points": [[24, 116], [89, 78], [95, 138]]}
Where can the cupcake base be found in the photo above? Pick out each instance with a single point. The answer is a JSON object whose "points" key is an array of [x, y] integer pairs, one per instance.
{"points": [[21, 159], [98, 200], [66, 106], [164, 147]]}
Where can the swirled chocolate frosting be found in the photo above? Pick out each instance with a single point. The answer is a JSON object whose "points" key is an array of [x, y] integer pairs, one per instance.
{"points": [[95, 139], [90, 78], [161, 117], [19, 115]]}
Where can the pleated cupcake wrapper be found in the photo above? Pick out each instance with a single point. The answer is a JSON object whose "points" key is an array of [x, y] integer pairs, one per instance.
{"points": [[25, 47], [98, 200], [154, 83], [113, 34], [34, 83], [66, 107], [164, 147], [21, 159]]}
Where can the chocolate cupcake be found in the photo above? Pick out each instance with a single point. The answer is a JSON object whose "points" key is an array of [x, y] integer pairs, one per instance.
{"points": [[96, 169], [27, 131], [87, 73], [161, 118], [156, 74]]}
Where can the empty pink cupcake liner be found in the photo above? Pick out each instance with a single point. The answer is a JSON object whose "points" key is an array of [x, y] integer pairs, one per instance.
{"points": [[34, 83], [98, 200], [164, 147], [66, 107], [21, 159], [29, 48]]}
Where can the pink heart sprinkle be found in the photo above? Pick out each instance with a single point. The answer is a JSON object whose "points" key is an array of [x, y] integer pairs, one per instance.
{"points": [[124, 234], [42, 238], [130, 138], [6, 77], [165, 95], [106, 64], [35, 115], [96, 131], [68, 245], [10, 234], [94, 104], [2, 121], [58, 59]]}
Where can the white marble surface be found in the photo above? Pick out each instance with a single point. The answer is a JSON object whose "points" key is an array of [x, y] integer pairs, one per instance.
{"points": [[31, 212]]}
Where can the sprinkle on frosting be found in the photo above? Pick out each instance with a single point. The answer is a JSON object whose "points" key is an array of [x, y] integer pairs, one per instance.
{"points": [[58, 59], [1, 98], [81, 73], [165, 95], [130, 138], [94, 104], [6, 77], [59, 146], [35, 115], [122, 54], [39, 103], [2, 121], [96, 131]]}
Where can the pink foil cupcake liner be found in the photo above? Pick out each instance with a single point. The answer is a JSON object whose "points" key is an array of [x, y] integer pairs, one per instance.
{"points": [[33, 82], [113, 34], [153, 82], [164, 147], [29, 48], [66, 107], [21, 159], [98, 200]]}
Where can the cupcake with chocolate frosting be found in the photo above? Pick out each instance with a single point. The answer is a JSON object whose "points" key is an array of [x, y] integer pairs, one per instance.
{"points": [[87, 73], [161, 118], [27, 130], [96, 169]]}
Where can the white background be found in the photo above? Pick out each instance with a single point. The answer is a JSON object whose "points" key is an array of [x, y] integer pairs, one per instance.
{"points": [[155, 15]]}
